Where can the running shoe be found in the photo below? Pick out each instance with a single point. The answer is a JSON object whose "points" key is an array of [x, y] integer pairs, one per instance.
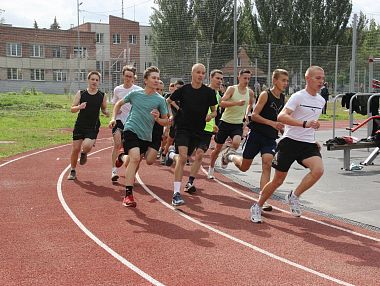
{"points": [[114, 176], [256, 214], [168, 160], [129, 201], [72, 175], [119, 162], [177, 200], [83, 158], [225, 160], [294, 204], [267, 207], [190, 188]]}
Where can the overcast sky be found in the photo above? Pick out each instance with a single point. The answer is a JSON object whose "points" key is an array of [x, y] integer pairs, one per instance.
{"points": [[22, 13]]}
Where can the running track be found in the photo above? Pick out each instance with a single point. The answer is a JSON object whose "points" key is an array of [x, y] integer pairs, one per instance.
{"points": [[59, 232]]}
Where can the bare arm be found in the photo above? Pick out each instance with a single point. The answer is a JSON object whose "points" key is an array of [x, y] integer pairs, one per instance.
{"points": [[104, 106], [286, 118], [250, 104], [212, 114], [229, 93], [76, 105], [116, 109]]}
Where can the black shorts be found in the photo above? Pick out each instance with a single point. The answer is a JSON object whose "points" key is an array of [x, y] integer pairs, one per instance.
{"points": [[131, 141], [205, 140], [83, 133], [157, 132], [189, 138], [289, 150], [228, 130], [257, 142], [118, 126]]}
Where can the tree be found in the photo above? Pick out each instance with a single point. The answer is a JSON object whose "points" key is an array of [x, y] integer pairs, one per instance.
{"points": [[55, 25], [35, 25], [184, 29]]}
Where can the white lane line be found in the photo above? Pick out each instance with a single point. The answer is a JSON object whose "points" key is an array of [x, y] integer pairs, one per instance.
{"points": [[42, 151], [302, 217], [256, 248], [35, 153], [96, 239]]}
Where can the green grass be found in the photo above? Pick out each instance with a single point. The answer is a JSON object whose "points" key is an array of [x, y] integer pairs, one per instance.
{"points": [[35, 121]]}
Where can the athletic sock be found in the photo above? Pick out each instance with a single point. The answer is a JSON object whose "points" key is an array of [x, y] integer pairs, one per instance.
{"points": [[128, 190], [177, 187]]}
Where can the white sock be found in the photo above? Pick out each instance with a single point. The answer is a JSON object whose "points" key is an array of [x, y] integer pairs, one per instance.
{"points": [[114, 169], [171, 155], [211, 169], [177, 187]]}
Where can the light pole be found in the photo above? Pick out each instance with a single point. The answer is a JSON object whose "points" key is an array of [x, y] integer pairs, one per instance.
{"points": [[311, 35], [235, 42], [78, 48]]}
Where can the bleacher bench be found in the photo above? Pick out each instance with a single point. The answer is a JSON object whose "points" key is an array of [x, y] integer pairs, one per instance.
{"points": [[347, 148]]}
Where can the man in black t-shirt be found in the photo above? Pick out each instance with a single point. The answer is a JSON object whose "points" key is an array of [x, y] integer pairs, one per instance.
{"points": [[195, 100], [264, 129]]}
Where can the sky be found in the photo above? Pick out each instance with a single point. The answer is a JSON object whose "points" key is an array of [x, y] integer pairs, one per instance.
{"points": [[22, 13]]}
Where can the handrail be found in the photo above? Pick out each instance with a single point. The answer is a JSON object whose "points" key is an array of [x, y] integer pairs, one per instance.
{"points": [[334, 111], [370, 125], [350, 110]]}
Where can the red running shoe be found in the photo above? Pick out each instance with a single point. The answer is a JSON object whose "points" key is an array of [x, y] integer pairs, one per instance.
{"points": [[119, 162], [129, 201]]}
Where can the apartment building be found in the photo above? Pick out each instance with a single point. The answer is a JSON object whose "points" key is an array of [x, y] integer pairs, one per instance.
{"points": [[48, 60], [57, 61]]}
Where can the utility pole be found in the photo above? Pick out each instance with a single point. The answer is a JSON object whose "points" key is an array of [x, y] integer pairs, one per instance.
{"points": [[235, 42], [78, 48], [122, 9], [311, 37]]}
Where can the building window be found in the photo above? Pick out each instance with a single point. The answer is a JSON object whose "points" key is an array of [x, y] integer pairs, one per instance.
{"points": [[37, 74], [59, 75], [14, 73], [239, 62], [80, 76], [37, 51], [80, 52], [116, 67], [116, 39], [100, 66], [132, 39], [99, 38], [57, 52], [14, 49], [146, 38]]}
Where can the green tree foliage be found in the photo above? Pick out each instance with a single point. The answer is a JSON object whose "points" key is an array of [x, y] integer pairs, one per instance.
{"points": [[55, 25], [185, 29]]}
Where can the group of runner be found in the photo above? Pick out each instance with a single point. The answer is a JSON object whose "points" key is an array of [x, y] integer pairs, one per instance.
{"points": [[146, 123]]}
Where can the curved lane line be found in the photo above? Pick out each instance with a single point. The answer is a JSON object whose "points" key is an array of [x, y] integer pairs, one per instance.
{"points": [[96, 239], [302, 217], [256, 248]]}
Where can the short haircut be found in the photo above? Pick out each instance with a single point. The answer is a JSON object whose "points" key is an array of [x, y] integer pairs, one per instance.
{"points": [[95, 73], [179, 81], [198, 65], [311, 69], [150, 70], [213, 72], [132, 69], [244, 71], [277, 72], [172, 84]]}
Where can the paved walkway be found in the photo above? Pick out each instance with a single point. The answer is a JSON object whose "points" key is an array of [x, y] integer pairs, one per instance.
{"points": [[352, 195]]}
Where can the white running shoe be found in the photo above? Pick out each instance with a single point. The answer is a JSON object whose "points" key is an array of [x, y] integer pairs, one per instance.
{"points": [[256, 213], [210, 173], [294, 204]]}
